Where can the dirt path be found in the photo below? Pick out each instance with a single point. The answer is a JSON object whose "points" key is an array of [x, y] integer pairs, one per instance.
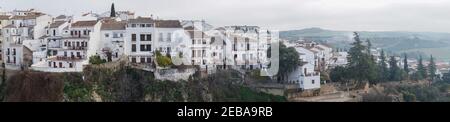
{"points": [[334, 97]]}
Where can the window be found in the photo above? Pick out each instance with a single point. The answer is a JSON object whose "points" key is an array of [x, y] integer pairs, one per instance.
{"points": [[133, 48], [142, 25], [143, 48], [133, 37], [14, 51], [148, 47], [60, 64], [68, 43], [54, 32], [106, 35], [193, 41], [142, 37], [148, 25], [115, 35], [149, 37], [70, 65], [160, 38], [49, 64], [149, 60], [133, 25], [142, 60], [312, 81], [71, 33], [169, 37], [133, 60], [65, 54]]}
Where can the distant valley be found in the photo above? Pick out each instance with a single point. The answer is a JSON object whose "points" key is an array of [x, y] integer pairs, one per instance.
{"points": [[394, 42]]}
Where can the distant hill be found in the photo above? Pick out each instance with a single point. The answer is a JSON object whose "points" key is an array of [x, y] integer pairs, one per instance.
{"points": [[394, 41]]}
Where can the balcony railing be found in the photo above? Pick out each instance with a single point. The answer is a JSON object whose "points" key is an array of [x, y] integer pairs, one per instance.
{"points": [[310, 74]]}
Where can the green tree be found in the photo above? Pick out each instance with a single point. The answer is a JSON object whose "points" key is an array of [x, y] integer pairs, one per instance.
{"points": [[405, 64], [96, 60], [163, 61], [421, 70], [289, 60], [432, 69], [113, 11], [382, 67], [360, 65], [339, 74], [394, 70], [3, 83]]}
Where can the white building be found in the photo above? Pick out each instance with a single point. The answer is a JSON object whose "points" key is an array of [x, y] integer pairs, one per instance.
{"points": [[67, 45], [24, 25], [139, 40], [112, 37], [305, 74], [339, 59]]}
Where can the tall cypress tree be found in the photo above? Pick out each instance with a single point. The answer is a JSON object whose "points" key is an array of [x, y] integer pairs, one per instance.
{"points": [[383, 68], [432, 69], [421, 70], [394, 70], [405, 64], [113, 11], [360, 65]]}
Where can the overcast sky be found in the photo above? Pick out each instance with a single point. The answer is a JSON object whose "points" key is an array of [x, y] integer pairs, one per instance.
{"points": [[355, 15]]}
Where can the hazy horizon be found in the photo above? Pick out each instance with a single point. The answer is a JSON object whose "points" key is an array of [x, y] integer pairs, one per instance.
{"points": [[345, 15]]}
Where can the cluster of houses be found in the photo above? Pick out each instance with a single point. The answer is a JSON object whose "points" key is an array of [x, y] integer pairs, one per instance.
{"points": [[34, 40], [314, 58]]}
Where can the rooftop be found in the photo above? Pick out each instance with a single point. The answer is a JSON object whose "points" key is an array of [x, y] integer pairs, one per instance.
{"points": [[89, 23], [141, 20], [113, 25], [56, 24], [33, 15], [168, 24], [4, 17]]}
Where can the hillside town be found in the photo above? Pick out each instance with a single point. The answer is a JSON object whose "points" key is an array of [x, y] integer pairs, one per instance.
{"points": [[41, 42], [33, 40]]}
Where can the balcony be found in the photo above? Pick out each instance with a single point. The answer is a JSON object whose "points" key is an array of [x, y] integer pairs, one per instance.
{"points": [[76, 48], [67, 58], [310, 74]]}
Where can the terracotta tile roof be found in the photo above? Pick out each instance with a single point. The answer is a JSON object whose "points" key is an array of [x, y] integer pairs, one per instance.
{"points": [[56, 24], [168, 24], [61, 17], [141, 20], [4, 17], [33, 15], [113, 25], [84, 23], [10, 26]]}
